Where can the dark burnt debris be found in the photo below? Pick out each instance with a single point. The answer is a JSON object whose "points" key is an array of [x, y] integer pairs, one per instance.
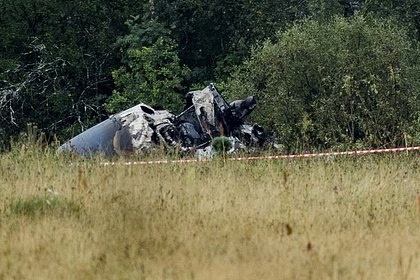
{"points": [[141, 128]]}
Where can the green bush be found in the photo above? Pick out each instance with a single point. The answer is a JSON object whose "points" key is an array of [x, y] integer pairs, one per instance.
{"points": [[221, 144], [153, 75], [325, 85]]}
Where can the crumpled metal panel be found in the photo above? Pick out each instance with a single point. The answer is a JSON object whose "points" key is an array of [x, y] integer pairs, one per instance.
{"points": [[140, 128], [204, 109], [98, 139], [111, 136]]}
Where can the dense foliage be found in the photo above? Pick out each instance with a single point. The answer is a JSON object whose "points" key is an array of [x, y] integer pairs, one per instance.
{"points": [[346, 81], [152, 76], [65, 65]]}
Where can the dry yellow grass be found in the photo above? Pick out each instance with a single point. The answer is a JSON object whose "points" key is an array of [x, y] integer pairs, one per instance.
{"points": [[347, 218]]}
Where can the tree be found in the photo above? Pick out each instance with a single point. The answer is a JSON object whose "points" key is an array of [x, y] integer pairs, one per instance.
{"points": [[153, 75], [63, 53], [88, 40], [215, 36], [407, 13], [353, 82]]}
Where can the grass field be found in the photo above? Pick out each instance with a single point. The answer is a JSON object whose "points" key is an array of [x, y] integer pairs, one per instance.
{"points": [[337, 218]]}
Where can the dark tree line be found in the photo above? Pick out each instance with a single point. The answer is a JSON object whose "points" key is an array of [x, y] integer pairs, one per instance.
{"points": [[65, 65]]}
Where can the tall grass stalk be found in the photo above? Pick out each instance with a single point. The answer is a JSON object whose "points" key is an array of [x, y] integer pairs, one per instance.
{"points": [[335, 218]]}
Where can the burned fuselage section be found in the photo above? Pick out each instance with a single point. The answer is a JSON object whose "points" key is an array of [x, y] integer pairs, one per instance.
{"points": [[141, 128]]}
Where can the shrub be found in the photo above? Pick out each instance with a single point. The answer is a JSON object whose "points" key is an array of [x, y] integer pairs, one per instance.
{"points": [[221, 144], [153, 75], [344, 82]]}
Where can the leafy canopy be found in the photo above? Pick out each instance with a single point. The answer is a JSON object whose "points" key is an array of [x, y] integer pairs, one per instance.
{"points": [[345, 81], [153, 75]]}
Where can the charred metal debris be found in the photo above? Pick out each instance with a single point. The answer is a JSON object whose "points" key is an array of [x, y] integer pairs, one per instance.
{"points": [[207, 121]]}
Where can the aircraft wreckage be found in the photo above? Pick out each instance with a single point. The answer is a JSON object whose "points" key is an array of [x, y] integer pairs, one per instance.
{"points": [[141, 128]]}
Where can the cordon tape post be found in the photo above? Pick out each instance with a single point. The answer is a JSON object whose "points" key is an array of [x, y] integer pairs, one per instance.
{"points": [[251, 158]]}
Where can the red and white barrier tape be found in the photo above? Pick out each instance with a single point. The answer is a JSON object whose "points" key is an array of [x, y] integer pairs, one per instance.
{"points": [[308, 155]]}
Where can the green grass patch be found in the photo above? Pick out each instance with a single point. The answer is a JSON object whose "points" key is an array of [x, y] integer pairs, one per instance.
{"points": [[42, 205]]}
